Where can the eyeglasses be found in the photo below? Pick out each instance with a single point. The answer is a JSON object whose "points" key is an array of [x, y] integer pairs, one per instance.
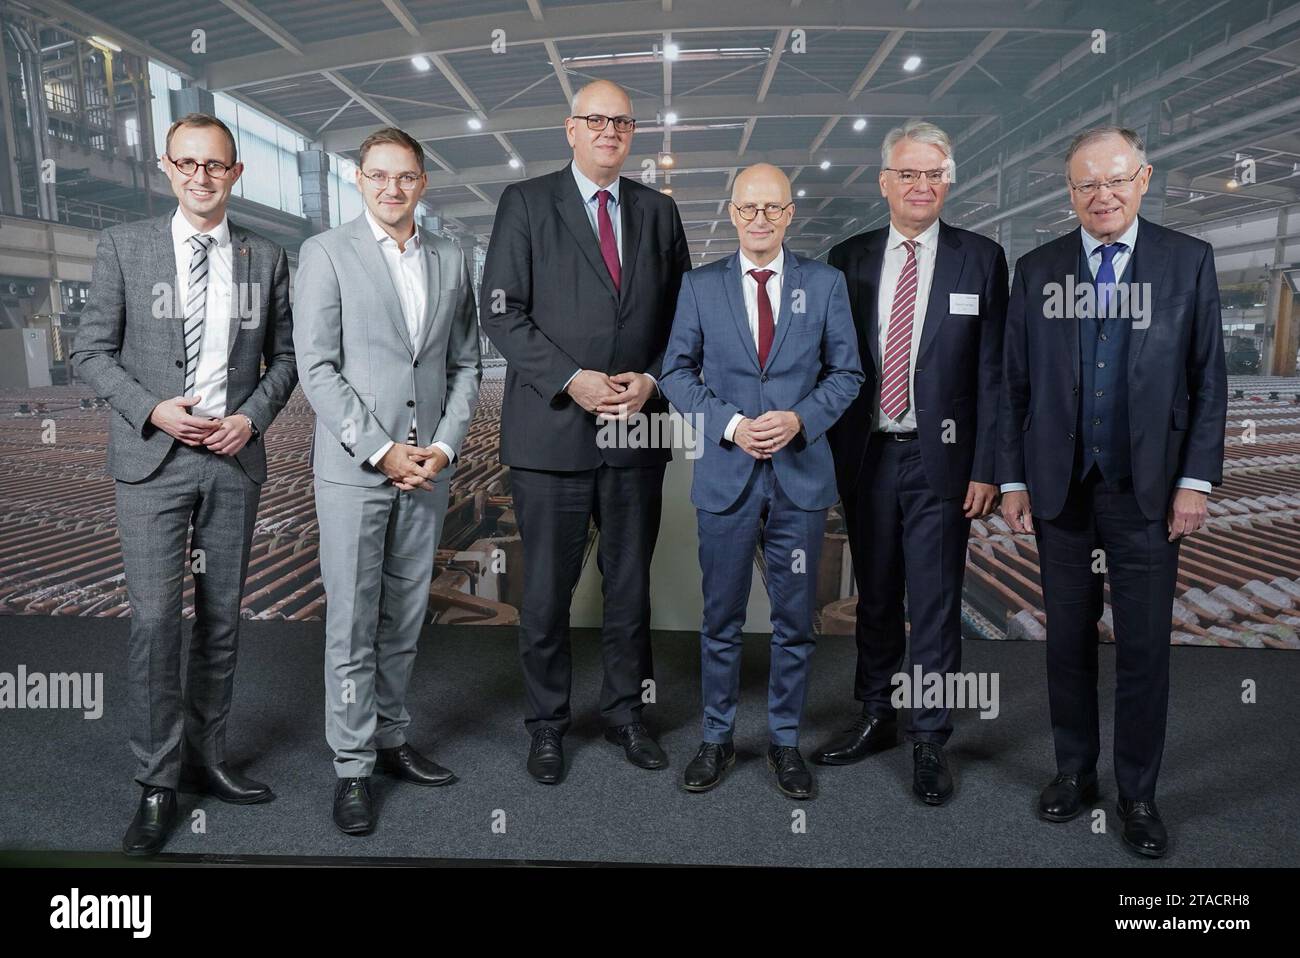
{"points": [[216, 169], [908, 177], [772, 211], [1114, 185], [598, 122], [407, 181]]}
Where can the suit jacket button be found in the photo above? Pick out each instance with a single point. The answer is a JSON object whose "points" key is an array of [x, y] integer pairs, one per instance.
{"points": [[1071, 437], [416, 363], [231, 369], [410, 403], [179, 364], [763, 378]]}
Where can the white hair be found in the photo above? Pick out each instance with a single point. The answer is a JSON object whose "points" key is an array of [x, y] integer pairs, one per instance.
{"points": [[1131, 137], [920, 131]]}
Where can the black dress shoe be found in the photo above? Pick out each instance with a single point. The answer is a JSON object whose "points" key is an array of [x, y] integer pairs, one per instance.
{"points": [[868, 734], [641, 749], [931, 779], [792, 775], [1066, 795], [1144, 832], [147, 833], [354, 812], [546, 755], [706, 768], [220, 782], [410, 766]]}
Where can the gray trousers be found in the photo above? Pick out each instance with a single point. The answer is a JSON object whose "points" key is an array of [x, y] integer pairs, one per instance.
{"points": [[214, 495], [377, 546]]}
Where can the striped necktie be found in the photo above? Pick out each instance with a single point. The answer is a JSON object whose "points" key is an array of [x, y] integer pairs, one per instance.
{"points": [[898, 344], [196, 306]]}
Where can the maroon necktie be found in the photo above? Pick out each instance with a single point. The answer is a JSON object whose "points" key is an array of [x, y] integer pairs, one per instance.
{"points": [[766, 325], [898, 341], [608, 245]]}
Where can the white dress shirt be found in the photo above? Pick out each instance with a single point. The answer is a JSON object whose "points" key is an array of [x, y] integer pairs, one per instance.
{"points": [[927, 245], [214, 346], [410, 278], [749, 288], [1092, 250]]}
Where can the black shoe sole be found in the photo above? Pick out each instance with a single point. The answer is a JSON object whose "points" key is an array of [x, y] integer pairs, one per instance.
{"points": [[722, 773], [819, 758], [395, 773], [930, 799], [267, 796], [143, 852], [1144, 852], [356, 830], [1088, 799], [546, 780]]}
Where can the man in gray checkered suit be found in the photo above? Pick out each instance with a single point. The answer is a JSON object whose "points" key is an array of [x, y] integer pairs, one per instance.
{"points": [[388, 349], [187, 333]]}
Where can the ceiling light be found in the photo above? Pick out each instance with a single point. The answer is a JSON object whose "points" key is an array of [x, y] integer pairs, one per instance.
{"points": [[421, 63], [475, 123], [106, 44], [666, 159], [671, 51], [859, 125], [911, 63], [514, 162], [825, 164], [670, 118], [1233, 184], [801, 193], [667, 191]]}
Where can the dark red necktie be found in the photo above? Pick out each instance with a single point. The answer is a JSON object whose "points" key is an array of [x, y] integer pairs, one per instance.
{"points": [[608, 244], [766, 325]]}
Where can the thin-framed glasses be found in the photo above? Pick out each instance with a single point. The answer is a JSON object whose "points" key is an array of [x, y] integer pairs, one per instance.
{"points": [[908, 177], [1114, 184], [773, 211], [598, 122], [187, 166], [407, 181]]}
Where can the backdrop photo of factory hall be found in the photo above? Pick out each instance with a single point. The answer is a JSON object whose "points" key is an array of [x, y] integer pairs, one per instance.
{"points": [[90, 88]]}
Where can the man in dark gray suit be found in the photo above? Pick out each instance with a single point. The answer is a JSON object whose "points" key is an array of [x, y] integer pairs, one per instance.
{"points": [[388, 347], [183, 312]]}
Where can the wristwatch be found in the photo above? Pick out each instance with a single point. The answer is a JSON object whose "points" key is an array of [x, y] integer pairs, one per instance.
{"points": [[253, 426]]}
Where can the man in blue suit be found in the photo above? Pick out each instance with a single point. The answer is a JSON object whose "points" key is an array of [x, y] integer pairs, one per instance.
{"points": [[1111, 425], [763, 355]]}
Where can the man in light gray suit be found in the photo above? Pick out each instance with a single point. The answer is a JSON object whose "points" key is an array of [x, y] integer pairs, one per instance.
{"points": [[388, 350], [184, 312]]}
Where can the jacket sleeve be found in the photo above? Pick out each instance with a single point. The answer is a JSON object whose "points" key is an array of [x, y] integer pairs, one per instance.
{"points": [[683, 363], [841, 376], [1207, 381], [464, 368], [1014, 403], [992, 329], [280, 373]]}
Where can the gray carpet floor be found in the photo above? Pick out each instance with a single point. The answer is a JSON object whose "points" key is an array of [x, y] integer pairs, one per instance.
{"points": [[1228, 785]]}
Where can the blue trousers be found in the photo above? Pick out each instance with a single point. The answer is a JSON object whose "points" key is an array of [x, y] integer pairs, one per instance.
{"points": [[791, 540]]}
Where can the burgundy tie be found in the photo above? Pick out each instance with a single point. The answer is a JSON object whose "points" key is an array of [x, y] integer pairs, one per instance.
{"points": [[898, 341], [766, 325], [608, 245]]}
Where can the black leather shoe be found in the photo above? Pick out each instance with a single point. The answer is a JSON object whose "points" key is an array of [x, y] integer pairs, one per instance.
{"points": [[792, 775], [153, 820], [546, 756], [354, 812], [220, 782], [868, 734], [931, 779], [1144, 832], [638, 745], [706, 768], [1066, 795], [410, 766]]}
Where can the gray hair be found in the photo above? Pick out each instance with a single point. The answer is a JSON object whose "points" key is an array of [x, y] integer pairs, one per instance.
{"points": [[1130, 137], [922, 132]]}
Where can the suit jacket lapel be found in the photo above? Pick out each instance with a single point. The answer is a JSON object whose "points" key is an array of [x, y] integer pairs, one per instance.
{"points": [[1067, 264], [163, 275], [1147, 266], [789, 282], [632, 217], [569, 204], [373, 262], [433, 288], [949, 256], [241, 293], [736, 299], [872, 265]]}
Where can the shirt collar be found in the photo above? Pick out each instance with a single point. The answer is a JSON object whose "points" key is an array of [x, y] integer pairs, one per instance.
{"points": [[587, 189], [1091, 244], [183, 229], [381, 236], [777, 265], [926, 239]]}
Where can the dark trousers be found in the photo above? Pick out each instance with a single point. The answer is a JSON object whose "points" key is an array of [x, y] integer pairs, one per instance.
{"points": [[553, 510], [791, 539], [192, 487], [905, 539], [1142, 567]]}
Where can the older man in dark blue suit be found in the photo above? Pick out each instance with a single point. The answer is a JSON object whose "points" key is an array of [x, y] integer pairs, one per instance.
{"points": [[1110, 434], [764, 353]]}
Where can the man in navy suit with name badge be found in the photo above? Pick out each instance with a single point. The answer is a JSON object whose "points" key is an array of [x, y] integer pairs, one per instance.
{"points": [[763, 353], [1110, 434], [914, 454]]}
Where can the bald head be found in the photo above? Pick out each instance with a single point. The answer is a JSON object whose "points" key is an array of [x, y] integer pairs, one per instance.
{"points": [[761, 211], [599, 154]]}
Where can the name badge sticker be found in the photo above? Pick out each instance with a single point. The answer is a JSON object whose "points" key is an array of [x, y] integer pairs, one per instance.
{"points": [[964, 304]]}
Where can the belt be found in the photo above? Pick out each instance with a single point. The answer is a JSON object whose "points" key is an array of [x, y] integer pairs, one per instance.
{"points": [[897, 436]]}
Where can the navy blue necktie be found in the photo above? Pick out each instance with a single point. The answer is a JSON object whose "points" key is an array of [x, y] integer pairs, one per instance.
{"points": [[1106, 277]]}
